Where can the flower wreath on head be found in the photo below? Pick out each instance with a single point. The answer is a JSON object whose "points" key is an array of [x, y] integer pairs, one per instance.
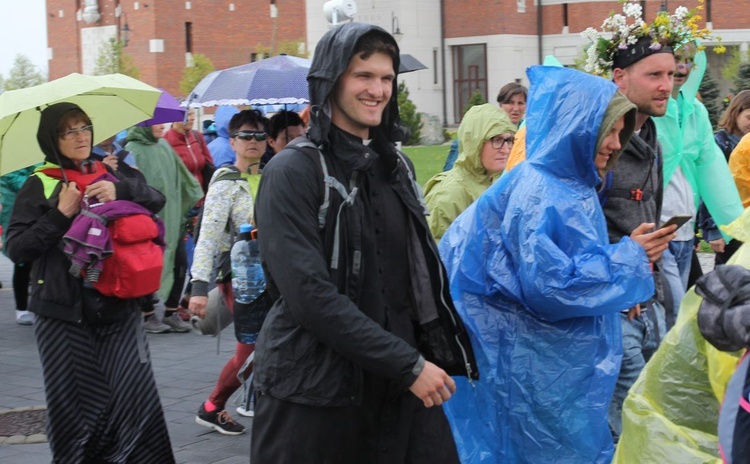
{"points": [[621, 32]]}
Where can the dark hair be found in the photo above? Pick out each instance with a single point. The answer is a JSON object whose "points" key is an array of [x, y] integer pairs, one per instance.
{"points": [[737, 105], [71, 117], [252, 117], [510, 90], [377, 42], [281, 121]]}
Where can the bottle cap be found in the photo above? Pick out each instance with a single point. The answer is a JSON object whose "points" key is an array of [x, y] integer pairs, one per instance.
{"points": [[246, 228]]}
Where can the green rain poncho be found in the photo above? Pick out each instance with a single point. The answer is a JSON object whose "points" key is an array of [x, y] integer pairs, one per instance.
{"points": [[691, 146], [165, 171], [671, 413], [448, 193]]}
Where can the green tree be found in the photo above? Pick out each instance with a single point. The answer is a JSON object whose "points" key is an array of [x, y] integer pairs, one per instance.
{"points": [[23, 74], [113, 59], [409, 116], [710, 93], [742, 80], [289, 47], [477, 98], [192, 75], [731, 69]]}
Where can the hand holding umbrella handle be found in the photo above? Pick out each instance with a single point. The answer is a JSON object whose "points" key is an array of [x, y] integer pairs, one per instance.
{"points": [[69, 200]]}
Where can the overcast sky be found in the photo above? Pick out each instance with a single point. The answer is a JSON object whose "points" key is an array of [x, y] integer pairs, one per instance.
{"points": [[23, 29]]}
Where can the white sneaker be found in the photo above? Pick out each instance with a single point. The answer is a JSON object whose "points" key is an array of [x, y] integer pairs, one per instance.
{"points": [[176, 324], [154, 326], [245, 412], [24, 317]]}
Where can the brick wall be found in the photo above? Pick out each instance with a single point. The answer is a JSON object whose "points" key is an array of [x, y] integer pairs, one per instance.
{"points": [[226, 37], [63, 38], [482, 17]]}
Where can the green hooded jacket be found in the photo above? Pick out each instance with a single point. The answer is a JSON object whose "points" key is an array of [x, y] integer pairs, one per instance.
{"points": [[166, 172], [10, 184], [448, 193], [687, 140]]}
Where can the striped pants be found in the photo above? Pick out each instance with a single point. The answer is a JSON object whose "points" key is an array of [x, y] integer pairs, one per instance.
{"points": [[103, 406]]}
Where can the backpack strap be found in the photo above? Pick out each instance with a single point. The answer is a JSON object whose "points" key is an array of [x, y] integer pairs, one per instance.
{"points": [[229, 173], [330, 182], [418, 192], [226, 172]]}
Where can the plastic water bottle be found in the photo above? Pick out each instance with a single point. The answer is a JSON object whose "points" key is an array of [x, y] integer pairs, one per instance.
{"points": [[248, 281]]}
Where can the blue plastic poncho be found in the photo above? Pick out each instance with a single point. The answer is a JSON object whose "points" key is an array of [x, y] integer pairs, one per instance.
{"points": [[539, 289]]}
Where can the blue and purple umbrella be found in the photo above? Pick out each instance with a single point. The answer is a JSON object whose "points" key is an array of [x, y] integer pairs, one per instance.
{"points": [[273, 81], [167, 110]]}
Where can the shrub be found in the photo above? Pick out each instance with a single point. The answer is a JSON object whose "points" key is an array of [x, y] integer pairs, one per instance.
{"points": [[409, 116]]}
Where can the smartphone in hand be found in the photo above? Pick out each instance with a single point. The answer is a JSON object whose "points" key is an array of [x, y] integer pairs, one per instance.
{"points": [[680, 220]]}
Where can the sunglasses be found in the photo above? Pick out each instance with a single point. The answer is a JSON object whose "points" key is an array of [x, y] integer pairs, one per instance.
{"points": [[259, 136], [498, 141]]}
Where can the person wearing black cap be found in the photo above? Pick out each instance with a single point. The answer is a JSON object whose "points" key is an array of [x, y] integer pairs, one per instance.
{"points": [[354, 359]]}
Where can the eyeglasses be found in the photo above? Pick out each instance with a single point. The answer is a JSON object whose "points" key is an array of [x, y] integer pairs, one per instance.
{"points": [[498, 141], [73, 133], [249, 135]]}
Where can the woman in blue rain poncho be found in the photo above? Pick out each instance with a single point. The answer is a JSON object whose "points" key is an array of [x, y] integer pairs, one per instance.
{"points": [[539, 287]]}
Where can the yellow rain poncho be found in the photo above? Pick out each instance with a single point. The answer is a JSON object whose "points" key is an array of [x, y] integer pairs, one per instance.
{"points": [[671, 413], [739, 165], [518, 153]]}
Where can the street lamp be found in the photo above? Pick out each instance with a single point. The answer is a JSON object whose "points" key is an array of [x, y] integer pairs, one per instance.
{"points": [[395, 30], [125, 32]]}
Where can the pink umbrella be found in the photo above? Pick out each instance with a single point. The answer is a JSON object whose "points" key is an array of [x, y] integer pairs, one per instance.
{"points": [[167, 110]]}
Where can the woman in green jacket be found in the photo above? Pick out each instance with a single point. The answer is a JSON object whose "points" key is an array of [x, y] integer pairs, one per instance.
{"points": [[166, 172], [485, 138]]}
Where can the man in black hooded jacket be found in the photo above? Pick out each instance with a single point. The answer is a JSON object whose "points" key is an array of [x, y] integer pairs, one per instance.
{"points": [[354, 358]]}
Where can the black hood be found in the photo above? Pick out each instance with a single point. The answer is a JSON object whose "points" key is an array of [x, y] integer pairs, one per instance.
{"points": [[47, 134], [332, 56]]}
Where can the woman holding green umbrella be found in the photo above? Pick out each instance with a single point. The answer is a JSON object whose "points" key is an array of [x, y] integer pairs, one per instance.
{"points": [[102, 401]]}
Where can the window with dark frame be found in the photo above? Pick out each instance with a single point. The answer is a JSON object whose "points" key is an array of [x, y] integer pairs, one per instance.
{"points": [[434, 65], [565, 14], [189, 37], [469, 75]]}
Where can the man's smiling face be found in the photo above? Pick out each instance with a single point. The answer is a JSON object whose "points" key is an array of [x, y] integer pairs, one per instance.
{"points": [[362, 93]]}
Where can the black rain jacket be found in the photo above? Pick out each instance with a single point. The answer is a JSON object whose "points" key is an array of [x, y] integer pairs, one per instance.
{"points": [[37, 227], [317, 338]]}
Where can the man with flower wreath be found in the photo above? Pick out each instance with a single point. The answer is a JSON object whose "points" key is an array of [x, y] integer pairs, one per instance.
{"points": [[642, 63]]}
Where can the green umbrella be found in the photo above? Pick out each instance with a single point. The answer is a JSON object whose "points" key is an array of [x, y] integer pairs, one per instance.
{"points": [[113, 102]]}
